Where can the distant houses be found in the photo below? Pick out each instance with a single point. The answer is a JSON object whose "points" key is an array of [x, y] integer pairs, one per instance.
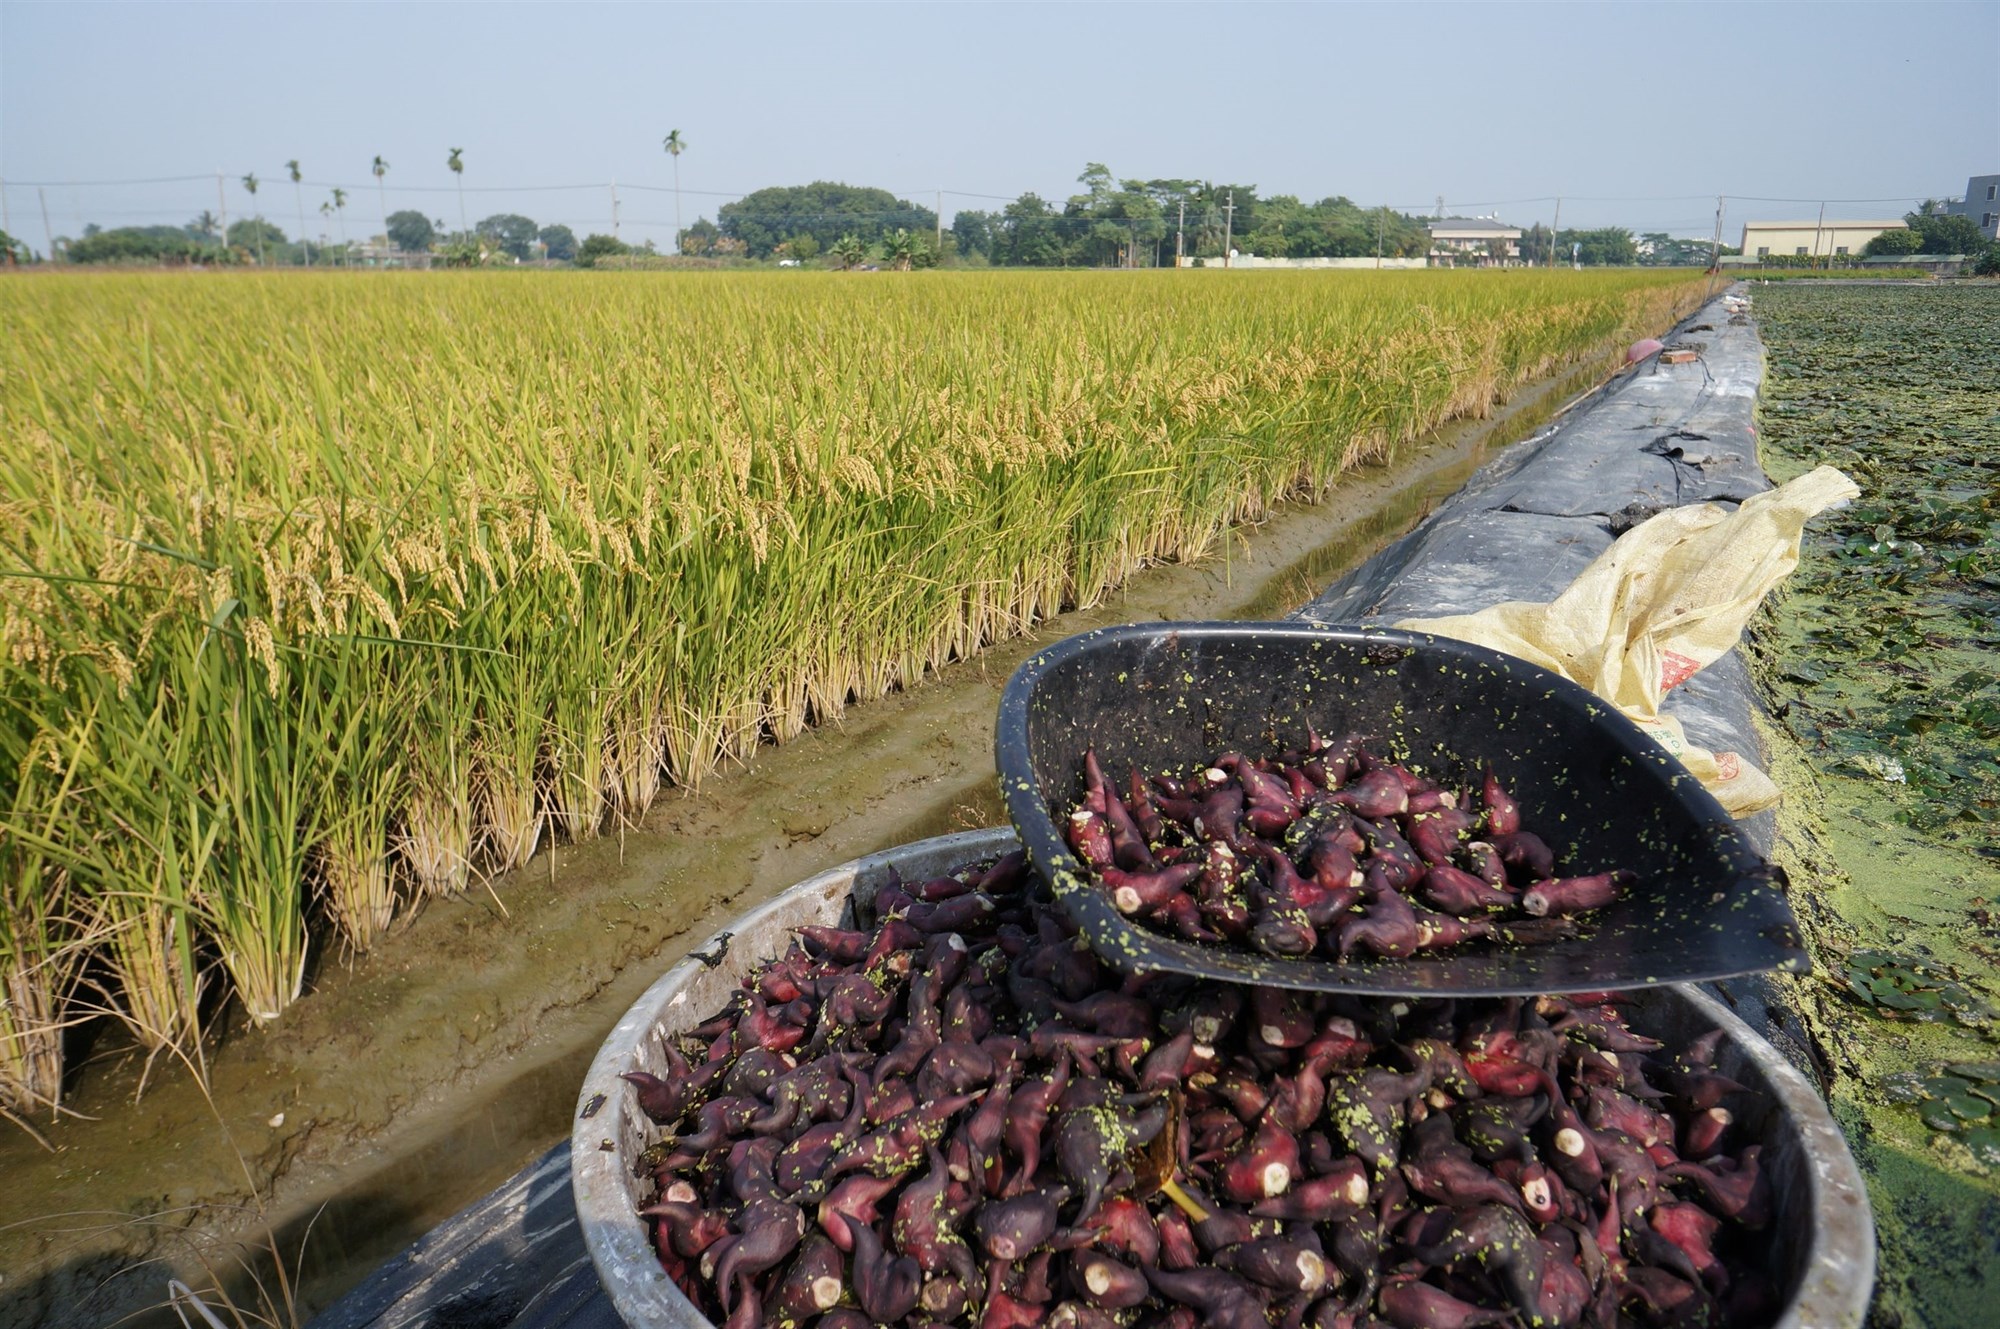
{"points": [[1481, 242], [1981, 203], [1812, 239]]}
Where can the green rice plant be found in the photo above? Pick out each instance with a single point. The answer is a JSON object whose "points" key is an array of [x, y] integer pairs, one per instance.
{"points": [[259, 764], [362, 784], [362, 588], [153, 841]]}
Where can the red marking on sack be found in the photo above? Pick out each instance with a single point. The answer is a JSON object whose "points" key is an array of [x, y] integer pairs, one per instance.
{"points": [[1676, 669], [1728, 765]]}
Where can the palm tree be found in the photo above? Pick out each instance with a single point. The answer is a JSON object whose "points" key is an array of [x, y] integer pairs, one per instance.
{"points": [[457, 165], [380, 169], [256, 218], [340, 211], [675, 146], [293, 167]]}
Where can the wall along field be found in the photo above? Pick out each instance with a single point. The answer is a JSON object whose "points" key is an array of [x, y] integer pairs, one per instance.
{"points": [[323, 594]]}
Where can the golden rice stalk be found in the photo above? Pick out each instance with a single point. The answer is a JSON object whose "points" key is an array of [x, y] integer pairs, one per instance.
{"points": [[510, 814], [436, 838], [30, 1036], [637, 761], [357, 881], [156, 982]]}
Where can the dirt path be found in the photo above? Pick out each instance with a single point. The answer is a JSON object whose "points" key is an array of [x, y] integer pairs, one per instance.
{"points": [[410, 1083]]}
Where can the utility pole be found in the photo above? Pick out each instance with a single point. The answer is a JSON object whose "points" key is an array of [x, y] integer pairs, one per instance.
{"points": [[1381, 220], [1715, 245], [1555, 226], [1817, 226], [614, 213], [1180, 235], [48, 232], [940, 226], [1229, 232], [222, 205]]}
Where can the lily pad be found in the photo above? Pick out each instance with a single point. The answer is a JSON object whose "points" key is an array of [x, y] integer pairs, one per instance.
{"points": [[1938, 1119], [1984, 1142], [1904, 1087], [1986, 1072], [1967, 1108]]}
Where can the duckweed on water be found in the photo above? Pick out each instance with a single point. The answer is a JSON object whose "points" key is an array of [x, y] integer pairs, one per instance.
{"points": [[1878, 663]]}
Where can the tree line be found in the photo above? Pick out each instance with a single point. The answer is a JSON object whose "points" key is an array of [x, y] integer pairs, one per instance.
{"points": [[1108, 222]]}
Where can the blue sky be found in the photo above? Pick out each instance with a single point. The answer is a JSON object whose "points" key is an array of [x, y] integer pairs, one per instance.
{"points": [[1638, 114]]}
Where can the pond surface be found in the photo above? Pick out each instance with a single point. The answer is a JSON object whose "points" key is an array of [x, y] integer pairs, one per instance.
{"points": [[1881, 665]]}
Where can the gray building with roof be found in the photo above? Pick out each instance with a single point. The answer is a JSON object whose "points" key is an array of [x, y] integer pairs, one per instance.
{"points": [[1981, 203]]}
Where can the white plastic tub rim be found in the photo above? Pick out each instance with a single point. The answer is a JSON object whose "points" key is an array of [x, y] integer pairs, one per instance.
{"points": [[1824, 1234]]}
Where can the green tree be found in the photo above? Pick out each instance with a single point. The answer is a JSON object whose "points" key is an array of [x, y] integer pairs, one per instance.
{"points": [[1027, 234], [145, 244], [825, 210], [14, 252], [411, 231], [1894, 242], [340, 212], [292, 169], [255, 233], [595, 247], [972, 233], [1609, 246], [804, 248], [558, 242], [456, 163], [1111, 222], [674, 145], [462, 250], [697, 239], [1946, 232], [848, 252], [509, 232], [250, 182], [1657, 249], [906, 250], [380, 169]]}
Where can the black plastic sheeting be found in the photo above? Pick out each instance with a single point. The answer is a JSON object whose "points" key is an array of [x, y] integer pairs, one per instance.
{"points": [[1657, 436]]}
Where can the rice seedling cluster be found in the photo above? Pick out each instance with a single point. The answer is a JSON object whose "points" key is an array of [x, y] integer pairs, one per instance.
{"points": [[320, 595]]}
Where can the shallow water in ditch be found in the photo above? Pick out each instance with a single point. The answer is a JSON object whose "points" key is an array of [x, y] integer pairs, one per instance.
{"points": [[1879, 664]]}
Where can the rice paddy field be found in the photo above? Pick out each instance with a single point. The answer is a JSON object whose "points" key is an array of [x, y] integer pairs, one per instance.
{"points": [[325, 594]]}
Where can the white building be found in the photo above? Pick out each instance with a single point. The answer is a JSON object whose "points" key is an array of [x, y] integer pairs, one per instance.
{"points": [[1474, 242], [1816, 239]]}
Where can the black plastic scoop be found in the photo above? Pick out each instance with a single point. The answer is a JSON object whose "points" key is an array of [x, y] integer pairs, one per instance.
{"points": [[1166, 695]]}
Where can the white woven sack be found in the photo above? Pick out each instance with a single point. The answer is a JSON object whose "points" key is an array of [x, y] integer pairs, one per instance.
{"points": [[1668, 598]]}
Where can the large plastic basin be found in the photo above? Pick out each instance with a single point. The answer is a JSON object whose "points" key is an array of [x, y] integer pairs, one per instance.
{"points": [[1824, 1238]]}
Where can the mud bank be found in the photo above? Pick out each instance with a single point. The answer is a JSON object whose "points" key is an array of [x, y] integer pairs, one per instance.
{"points": [[413, 1080]]}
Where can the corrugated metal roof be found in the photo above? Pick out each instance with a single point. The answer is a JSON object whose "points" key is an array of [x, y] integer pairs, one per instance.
{"points": [[1895, 224]]}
